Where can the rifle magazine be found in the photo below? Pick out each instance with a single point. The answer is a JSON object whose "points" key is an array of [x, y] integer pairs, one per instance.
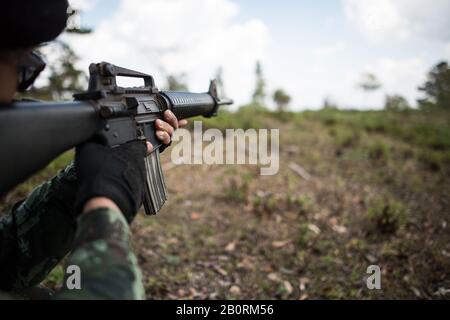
{"points": [[155, 191]]}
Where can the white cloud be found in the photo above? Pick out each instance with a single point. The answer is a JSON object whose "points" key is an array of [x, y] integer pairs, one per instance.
{"points": [[84, 5], [401, 19], [410, 36], [398, 76], [329, 50], [194, 37], [447, 51]]}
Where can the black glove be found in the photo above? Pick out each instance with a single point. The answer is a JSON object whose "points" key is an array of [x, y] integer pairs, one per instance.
{"points": [[115, 173]]}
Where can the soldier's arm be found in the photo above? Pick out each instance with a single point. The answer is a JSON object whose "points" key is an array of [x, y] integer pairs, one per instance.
{"points": [[111, 182], [102, 254], [38, 232]]}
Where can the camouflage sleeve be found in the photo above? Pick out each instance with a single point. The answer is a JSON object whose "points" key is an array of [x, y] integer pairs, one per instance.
{"points": [[102, 254], [38, 232]]}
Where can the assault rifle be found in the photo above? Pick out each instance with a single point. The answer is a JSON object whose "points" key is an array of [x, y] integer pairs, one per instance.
{"points": [[34, 133]]}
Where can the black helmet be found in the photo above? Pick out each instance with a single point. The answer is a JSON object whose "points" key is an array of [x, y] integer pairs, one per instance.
{"points": [[27, 23]]}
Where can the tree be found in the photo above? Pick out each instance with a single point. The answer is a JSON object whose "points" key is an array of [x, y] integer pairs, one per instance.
{"points": [[396, 103], [74, 22], [259, 94], [329, 104], [437, 87], [219, 82], [282, 99], [176, 83], [369, 83], [64, 78]]}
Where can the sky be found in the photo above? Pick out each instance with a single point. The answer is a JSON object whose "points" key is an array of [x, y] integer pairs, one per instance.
{"points": [[314, 50]]}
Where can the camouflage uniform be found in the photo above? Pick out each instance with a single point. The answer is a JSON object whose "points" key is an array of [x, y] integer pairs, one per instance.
{"points": [[41, 230]]}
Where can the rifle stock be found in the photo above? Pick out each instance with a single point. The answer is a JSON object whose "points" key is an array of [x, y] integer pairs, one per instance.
{"points": [[33, 134]]}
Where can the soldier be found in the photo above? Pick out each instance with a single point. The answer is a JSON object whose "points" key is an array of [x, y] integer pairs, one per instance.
{"points": [[85, 209]]}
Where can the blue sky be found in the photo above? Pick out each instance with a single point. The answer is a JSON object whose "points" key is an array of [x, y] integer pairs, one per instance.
{"points": [[102, 10], [312, 49]]}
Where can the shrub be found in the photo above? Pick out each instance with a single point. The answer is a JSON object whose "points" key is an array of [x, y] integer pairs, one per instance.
{"points": [[386, 216], [379, 151]]}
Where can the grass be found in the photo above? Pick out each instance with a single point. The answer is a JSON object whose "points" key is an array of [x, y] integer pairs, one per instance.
{"points": [[386, 216], [379, 151], [428, 130], [378, 195]]}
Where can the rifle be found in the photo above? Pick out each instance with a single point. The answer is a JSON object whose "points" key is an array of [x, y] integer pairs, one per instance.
{"points": [[34, 133]]}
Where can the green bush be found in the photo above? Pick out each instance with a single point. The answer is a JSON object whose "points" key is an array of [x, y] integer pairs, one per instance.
{"points": [[379, 151], [55, 277], [386, 216], [434, 160], [345, 137]]}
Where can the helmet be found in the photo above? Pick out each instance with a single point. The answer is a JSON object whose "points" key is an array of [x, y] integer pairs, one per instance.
{"points": [[27, 23]]}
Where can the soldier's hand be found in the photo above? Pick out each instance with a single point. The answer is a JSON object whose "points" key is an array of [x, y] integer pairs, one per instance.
{"points": [[111, 175], [165, 129]]}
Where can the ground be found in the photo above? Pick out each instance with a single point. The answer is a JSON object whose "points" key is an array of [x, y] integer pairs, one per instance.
{"points": [[378, 194]]}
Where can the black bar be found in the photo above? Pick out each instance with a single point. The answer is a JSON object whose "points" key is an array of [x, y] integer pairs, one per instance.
{"points": [[235, 309]]}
